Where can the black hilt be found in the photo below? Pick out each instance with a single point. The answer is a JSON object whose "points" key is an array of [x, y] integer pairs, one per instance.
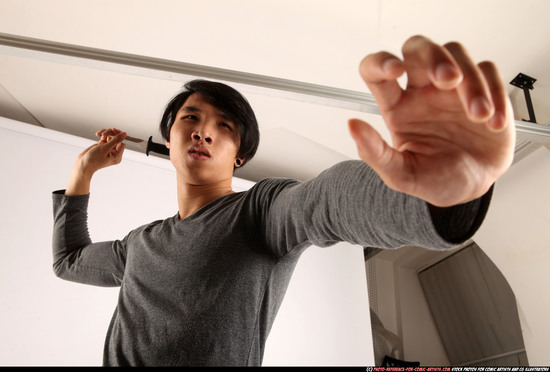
{"points": [[156, 147]]}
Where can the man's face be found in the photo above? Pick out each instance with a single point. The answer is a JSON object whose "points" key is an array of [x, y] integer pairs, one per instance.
{"points": [[203, 142]]}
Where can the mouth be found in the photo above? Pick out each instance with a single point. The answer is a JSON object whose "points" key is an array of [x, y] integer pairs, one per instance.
{"points": [[198, 152]]}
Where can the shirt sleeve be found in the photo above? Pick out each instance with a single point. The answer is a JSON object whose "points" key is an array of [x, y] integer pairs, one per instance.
{"points": [[349, 202], [75, 257]]}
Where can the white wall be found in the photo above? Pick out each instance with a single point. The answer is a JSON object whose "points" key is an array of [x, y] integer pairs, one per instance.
{"points": [[44, 320]]}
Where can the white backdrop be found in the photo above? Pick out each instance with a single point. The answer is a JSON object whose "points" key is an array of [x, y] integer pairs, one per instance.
{"points": [[324, 319]]}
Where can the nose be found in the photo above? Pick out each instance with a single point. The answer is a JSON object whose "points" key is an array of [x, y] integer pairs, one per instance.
{"points": [[199, 135]]}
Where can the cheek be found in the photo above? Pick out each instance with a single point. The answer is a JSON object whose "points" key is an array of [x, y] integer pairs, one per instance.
{"points": [[230, 152], [235, 148], [237, 142], [178, 134]]}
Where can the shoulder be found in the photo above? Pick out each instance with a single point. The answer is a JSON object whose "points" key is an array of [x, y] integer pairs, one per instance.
{"points": [[154, 226], [344, 167], [273, 183], [348, 167], [340, 173], [269, 188]]}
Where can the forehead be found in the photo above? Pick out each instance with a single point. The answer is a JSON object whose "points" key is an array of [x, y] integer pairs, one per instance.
{"points": [[197, 103]]}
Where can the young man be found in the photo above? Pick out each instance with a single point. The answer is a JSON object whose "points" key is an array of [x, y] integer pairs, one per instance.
{"points": [[203, 287]]}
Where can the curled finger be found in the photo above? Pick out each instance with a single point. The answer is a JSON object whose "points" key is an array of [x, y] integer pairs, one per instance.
{"points": [[430, 63], [100, 132], [112, 142], [502, 115], [380, 72], [473, 91]]}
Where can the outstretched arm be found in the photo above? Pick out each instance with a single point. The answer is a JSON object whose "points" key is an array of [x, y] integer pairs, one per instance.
{"points": [[452, 127]]}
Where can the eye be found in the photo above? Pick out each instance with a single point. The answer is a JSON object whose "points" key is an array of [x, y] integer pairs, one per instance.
{"points": [[190, 117], [226, 125]]}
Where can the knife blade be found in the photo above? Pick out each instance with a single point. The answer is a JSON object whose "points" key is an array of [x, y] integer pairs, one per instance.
{"points": [[149, 145]]}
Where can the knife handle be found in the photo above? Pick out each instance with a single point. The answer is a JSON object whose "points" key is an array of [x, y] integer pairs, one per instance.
{"points": [[156, 147]]}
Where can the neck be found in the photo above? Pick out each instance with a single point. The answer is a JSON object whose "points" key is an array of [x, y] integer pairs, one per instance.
{"points": [[193, 197]]}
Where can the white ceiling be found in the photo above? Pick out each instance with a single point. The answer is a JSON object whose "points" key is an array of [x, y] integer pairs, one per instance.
{"points": [[320, 42]]}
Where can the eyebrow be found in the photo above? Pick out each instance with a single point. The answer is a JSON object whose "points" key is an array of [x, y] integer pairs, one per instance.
{"points": [[196, 109]]}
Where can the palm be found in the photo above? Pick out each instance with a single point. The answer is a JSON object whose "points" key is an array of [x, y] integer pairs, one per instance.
{"points": [[440, 152]]}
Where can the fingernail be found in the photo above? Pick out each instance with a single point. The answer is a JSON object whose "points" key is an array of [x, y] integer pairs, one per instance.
{"points": [[391, 64], [497, 122], [479, 107], [445, 72]]}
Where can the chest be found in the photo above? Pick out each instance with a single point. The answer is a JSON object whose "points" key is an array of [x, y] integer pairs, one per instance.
{"points": [[196, 252]]}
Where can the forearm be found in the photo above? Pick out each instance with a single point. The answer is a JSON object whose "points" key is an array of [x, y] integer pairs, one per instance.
{"points": [[79, 183], [396, 219], [350, 203]]}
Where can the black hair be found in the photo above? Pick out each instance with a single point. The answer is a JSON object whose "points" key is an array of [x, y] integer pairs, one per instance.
{"points": [[228, 100]]}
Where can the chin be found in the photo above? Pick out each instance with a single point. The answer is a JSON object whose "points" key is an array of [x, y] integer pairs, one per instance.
{"points": [[204, 177]]}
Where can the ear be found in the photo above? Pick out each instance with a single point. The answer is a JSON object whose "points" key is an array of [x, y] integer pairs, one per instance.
{"points": [[167, 144], [239, 162]]}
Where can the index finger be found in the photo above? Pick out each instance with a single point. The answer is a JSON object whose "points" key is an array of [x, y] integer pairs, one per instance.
{"points": [[380, 72]]}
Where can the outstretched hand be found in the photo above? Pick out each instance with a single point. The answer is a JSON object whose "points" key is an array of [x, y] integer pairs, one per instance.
{"points": [[452, 128]]}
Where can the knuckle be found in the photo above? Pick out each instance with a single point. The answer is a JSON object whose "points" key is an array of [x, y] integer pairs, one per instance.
{"points": [[488, 65], [367, 61], [373, 64], [455, 46], [416, 39], [414, 42]]}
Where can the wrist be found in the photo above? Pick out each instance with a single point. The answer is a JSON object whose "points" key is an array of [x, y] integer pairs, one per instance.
{"points": [[79, 183]]}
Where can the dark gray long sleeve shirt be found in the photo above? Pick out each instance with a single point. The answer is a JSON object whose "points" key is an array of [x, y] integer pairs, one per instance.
{"points": [[205, 290]]}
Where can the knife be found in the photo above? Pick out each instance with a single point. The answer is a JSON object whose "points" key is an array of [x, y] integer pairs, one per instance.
{"points": [[149, 146]]}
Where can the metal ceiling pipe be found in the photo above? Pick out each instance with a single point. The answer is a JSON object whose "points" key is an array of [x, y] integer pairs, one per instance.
{"points": [[181, 71]]}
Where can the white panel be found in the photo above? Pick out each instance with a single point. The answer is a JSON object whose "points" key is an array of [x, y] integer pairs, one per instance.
{"points": [[47, 321]]}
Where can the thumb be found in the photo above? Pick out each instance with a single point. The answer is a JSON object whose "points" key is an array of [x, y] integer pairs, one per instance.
{"points": [[371, 147], [382, 158]]}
